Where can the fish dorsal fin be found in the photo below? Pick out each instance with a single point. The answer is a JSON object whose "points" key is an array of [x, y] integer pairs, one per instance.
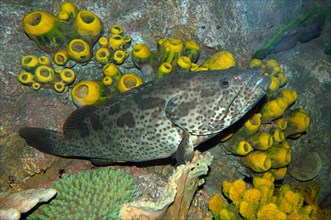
{"points": [[76, 122]]}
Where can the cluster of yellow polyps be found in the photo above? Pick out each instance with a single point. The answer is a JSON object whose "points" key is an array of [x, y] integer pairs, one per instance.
{"points": [[260, 201], [261, 141], [38, 72], [69, 35], [113, 48]]}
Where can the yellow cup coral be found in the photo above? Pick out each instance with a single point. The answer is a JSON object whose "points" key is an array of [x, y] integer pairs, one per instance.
{"points": [[279, 156], [36, 86], [44, 74], [116, 29], [192, 50], [61, 57], [281, 123], [289, 94], [184, 63], [79, 50], [164, 69], [278, 135], [86, 93], [69, 8], [274, 85], [298, 121], [103, 42], [26, 78], [274, 109], [107, 80], [59, 86], [116, 42], [67, 76], [220, 60], [129, 81], [141, 54], [112, 70], [255, 63], [88, 25], [169, 50], [120, 56], [30, 62], [279, 173], [242, 148], [261, 141], [43, 60], [258, 161], [102, 55]]}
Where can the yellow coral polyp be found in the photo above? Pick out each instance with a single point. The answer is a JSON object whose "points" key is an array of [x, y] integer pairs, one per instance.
{"points": [[44, 74], [61, 57], [271, 63], [26, 78], [107, 80], [116, 29], [194, 67], [79, 50], [216, 204], [279, 156], [69, 8], [298, 121], [170, 49], [279, 173], [102, 55], [141, 54], [43, 60], [270, 212], [88, 24], [220, 60], [36, 86], [289, 94], [120, 56], [234, 191], [192, 50], [38, 23], [112, 70], [59, 87], [282, 78], [281, 123], [67, 76], [250, 203], [261, 141], [116, 42], [129, 81], [242, 148], [164, 69], [63, 15], [103, 42], [274, 85], [258, 161], [255, 63], [274, 109], [278, 135], [86, 93], [184, 63], [29, 62]]}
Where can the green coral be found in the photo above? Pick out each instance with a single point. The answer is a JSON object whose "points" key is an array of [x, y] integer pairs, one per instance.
{"points": [[97, 194]]}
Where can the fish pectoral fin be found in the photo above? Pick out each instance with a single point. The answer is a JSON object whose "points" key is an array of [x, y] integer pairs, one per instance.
{"points": [[185, 149], [102, 162]]}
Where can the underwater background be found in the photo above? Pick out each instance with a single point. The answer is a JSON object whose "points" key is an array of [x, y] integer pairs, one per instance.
{"points": [[289, 40]]}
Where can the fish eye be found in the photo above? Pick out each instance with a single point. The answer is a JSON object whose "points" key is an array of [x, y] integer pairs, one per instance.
{"points": [[225, 83]]}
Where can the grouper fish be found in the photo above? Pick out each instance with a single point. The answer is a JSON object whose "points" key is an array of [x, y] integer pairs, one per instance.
{"points": [[161, 118]]}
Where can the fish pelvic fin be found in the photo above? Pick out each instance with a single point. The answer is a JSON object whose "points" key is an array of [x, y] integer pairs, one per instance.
{"points": [[47, 141]]}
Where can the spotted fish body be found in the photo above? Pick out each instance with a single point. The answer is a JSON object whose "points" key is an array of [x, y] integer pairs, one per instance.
{"points": [[157, 119]]}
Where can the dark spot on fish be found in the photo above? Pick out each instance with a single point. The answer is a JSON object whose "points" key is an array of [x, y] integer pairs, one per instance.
{"points": [[149, 102], [126, 119], [83, 130], [114, 109], [95, 122]]}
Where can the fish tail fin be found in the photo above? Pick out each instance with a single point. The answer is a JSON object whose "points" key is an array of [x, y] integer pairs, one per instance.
{"points": [[47, 141]]}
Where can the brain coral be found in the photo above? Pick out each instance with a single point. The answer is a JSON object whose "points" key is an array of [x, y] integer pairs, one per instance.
{"points": [[95, 194]]}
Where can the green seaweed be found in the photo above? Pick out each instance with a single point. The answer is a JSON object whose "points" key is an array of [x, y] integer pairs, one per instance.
{"points": [[288, 31]]}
